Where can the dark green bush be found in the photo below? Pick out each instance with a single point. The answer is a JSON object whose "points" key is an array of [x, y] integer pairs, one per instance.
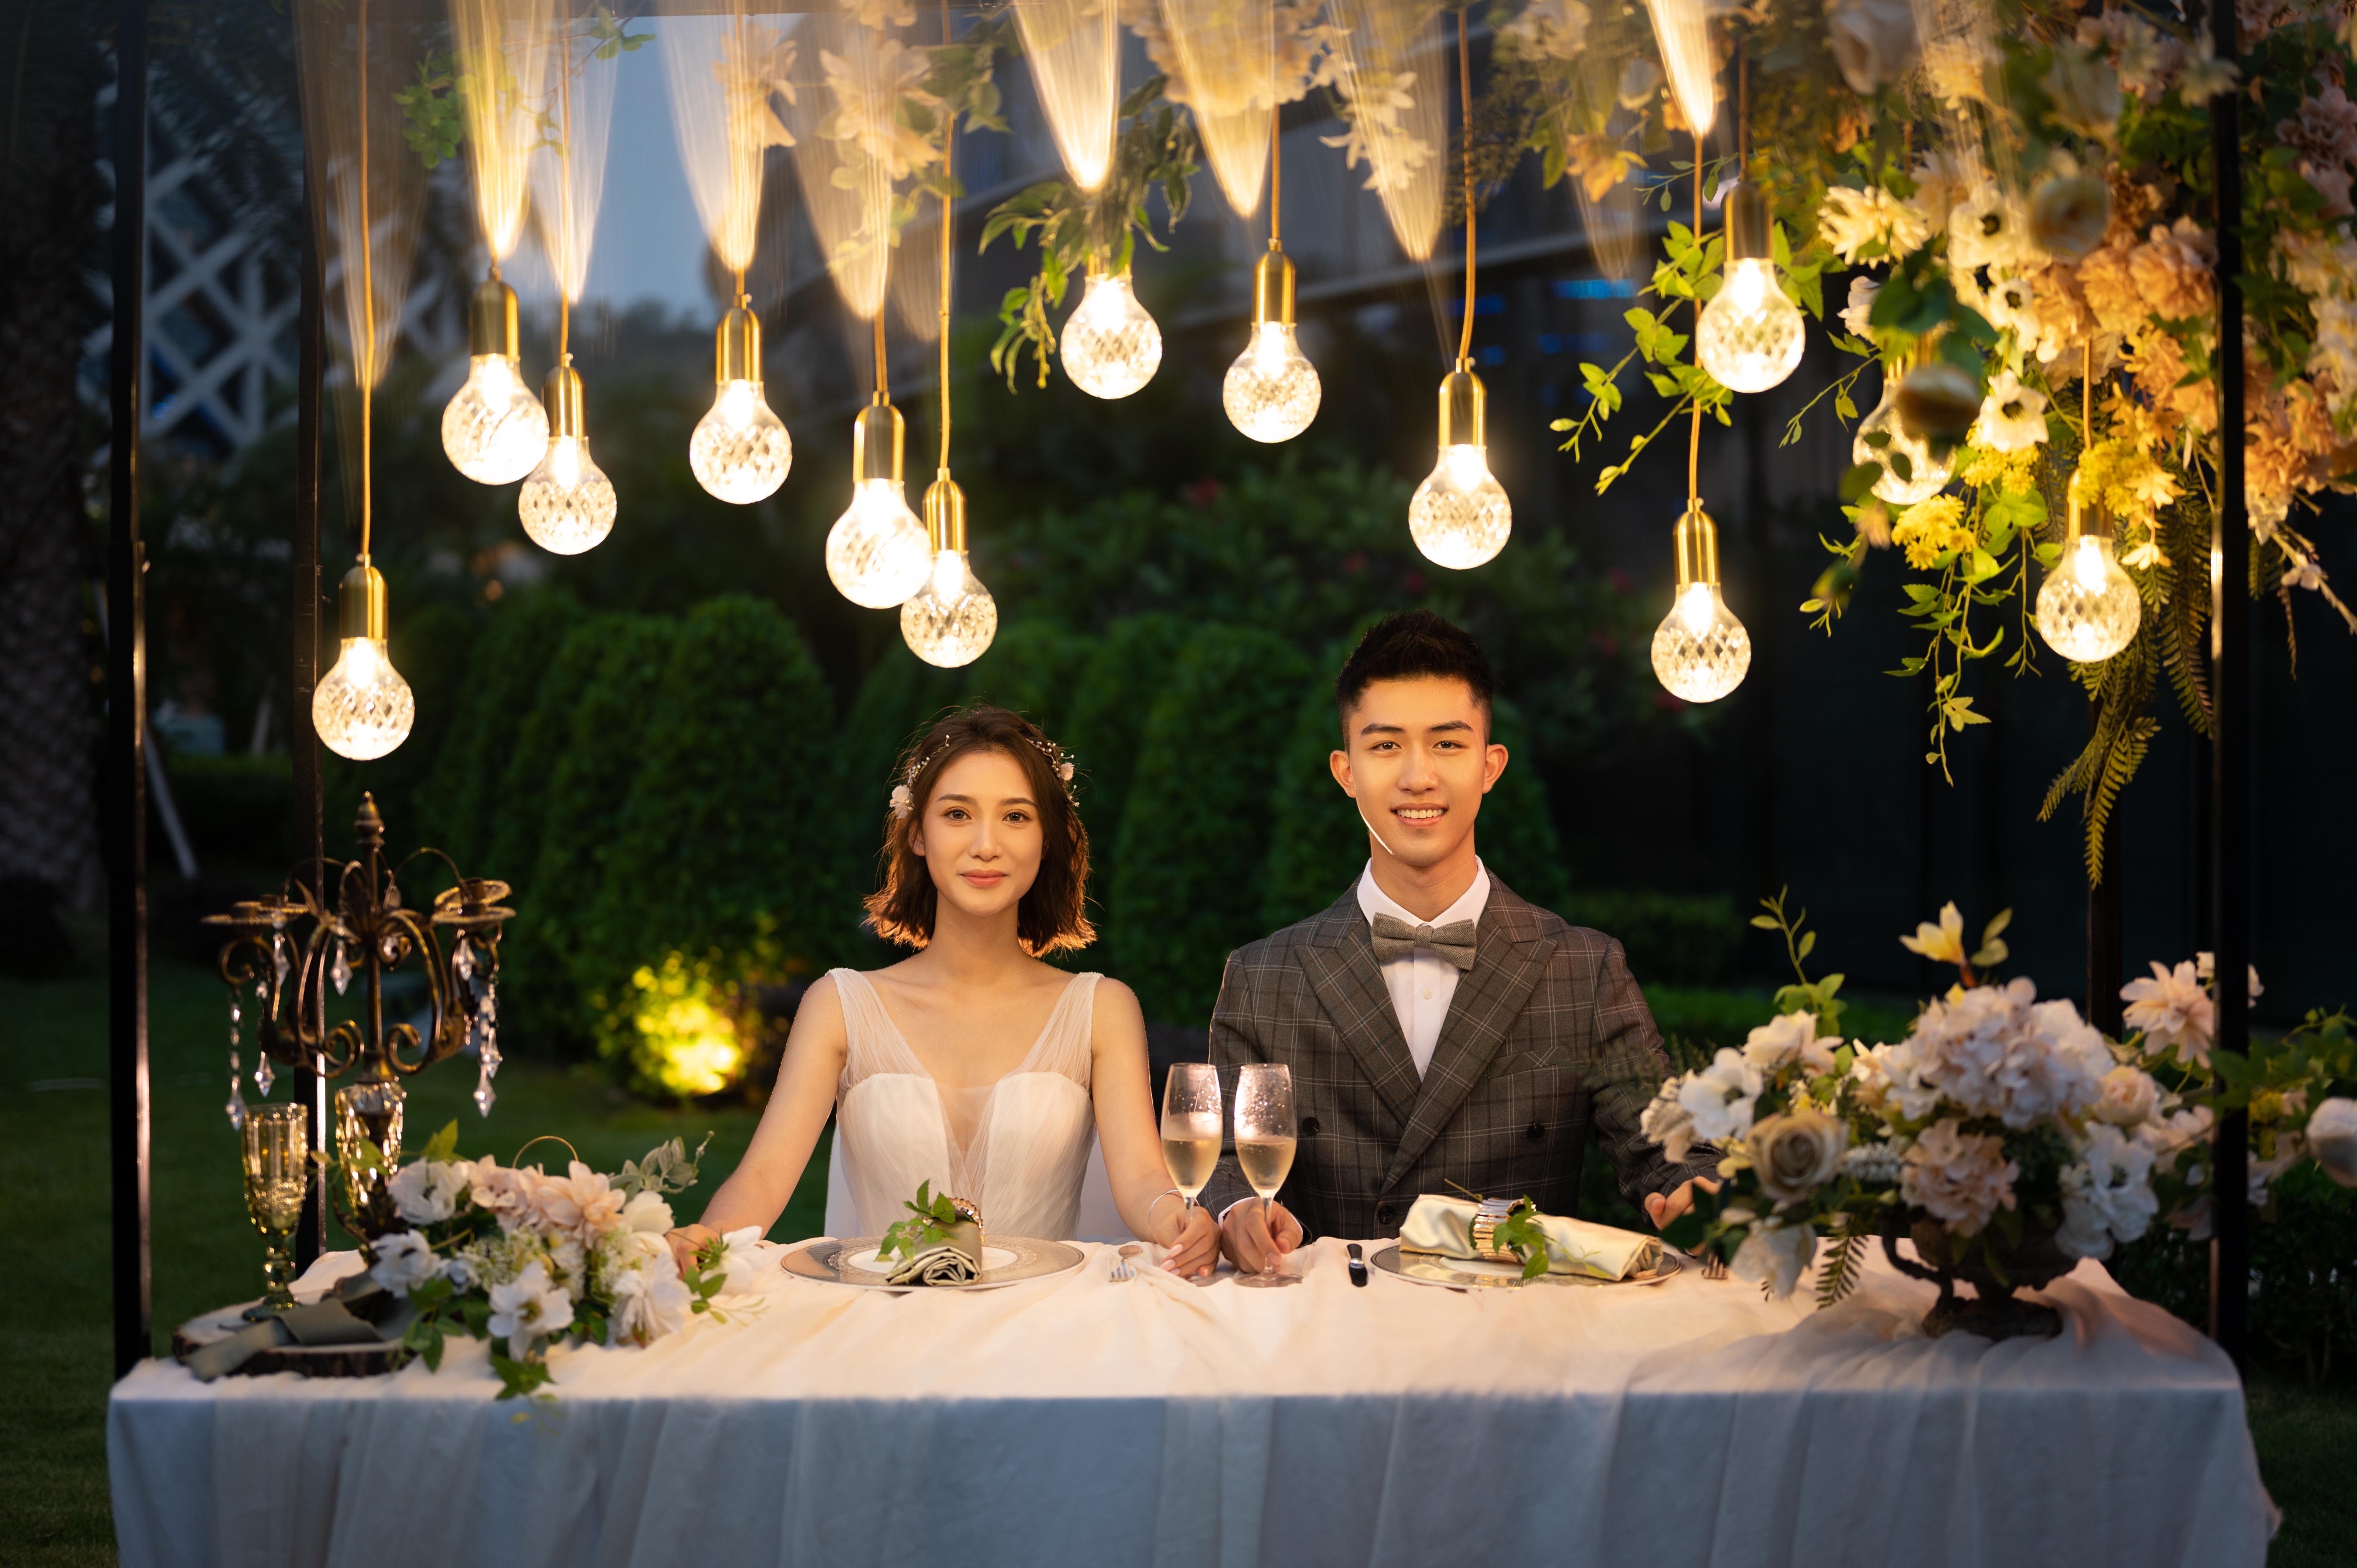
{"points": [[583, 746], [718, 875], [1195, 829], [236, 808], [459, 803], [1672, 938], [1105, 723]]}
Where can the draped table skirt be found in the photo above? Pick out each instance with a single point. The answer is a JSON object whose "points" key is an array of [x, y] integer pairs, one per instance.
{"points": [[1083, 1420]]}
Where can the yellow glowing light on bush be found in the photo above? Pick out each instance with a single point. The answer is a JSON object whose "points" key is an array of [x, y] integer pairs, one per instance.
{"points": [[688, 1035]]}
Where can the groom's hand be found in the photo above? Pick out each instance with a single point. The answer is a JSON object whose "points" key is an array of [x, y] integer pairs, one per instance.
{"points": [[1251, 1233], [1661, 1208]]}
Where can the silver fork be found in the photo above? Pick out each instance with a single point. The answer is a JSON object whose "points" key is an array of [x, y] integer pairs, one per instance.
{"points": [[1122, 1269], [1714, 1267]]}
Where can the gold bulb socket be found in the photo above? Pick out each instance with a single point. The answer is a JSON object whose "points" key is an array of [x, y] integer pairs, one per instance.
{"points": [[491, 320], [360, 604], [2085, 517], [737, 347], [1696, 539], [945, 513], [877, 435], [1464, 408], [1747, 224], [560, 395], [1273, 289]]}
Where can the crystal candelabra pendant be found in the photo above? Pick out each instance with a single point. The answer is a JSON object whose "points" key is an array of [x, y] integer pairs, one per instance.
{"points": [[1910, 472], [740, 452], [876, 552], [1110, 346], [235, 1109], [493, 429], [1701, 652], [1460, 517], [568, 504], [1750, 337], [951, 619], [2088, 608]]}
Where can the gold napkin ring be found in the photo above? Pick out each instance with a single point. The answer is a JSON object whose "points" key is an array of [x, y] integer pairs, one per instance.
{"points": [[971, 1212], [1488, 1216]]}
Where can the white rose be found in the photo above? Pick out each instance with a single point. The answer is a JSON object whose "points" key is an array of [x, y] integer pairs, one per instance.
{"points": [[2129, 1098], [1791, 1037], [1796, 1153], [2332, 1139], [1874, 41], [647, 1211], [1775, 1256]]}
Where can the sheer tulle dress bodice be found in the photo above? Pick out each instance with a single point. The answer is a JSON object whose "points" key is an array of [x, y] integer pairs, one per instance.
{"points": [[1017, 1147]]}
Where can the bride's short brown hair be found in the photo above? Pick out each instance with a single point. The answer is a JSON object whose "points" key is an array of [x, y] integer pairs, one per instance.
{"points": [[1050, 916]]}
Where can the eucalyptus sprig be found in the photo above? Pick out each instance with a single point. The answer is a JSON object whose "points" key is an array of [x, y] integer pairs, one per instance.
{"points": [[1155, 149]]}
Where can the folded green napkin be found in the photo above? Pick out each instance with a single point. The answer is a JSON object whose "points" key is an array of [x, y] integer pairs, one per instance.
{"points": [[1444, 1226], [356, 1311]]}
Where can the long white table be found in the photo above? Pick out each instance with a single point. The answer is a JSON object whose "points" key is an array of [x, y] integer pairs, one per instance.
{"points": [[1082, 1421]]}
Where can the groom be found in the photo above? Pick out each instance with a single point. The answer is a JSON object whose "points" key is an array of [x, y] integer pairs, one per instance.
{"points": [[1440, 1030]]}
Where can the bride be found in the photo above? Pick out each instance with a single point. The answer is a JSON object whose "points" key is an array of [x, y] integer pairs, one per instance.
{"points": [[972, 1064]]}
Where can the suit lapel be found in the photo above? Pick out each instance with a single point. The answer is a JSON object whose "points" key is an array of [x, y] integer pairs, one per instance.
{"points": [[1341, 963], [1509, 955]]}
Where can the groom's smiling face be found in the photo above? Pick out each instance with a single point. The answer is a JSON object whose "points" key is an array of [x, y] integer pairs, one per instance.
{"points": [[1417, 758]]}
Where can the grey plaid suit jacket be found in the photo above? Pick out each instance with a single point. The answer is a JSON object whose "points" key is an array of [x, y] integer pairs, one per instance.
{"points": [[1547, 1040]]}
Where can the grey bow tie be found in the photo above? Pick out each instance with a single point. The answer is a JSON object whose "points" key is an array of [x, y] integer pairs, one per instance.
{"points": [[1396, 938]]}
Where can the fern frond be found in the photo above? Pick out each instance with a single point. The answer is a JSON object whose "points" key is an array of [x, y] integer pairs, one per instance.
{"points": [[1837, 1275]]}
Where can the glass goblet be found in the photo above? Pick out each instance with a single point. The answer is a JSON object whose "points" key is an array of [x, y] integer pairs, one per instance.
{"points": [[368, 1152], [277, 1156], [1264, 1144]]}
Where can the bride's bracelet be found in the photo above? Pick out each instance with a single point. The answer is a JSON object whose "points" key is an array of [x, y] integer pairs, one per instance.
{"points": [[1165, 1192]]}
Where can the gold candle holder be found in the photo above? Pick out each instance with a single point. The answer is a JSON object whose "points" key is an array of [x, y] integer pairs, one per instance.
{"points": [[277, 1155], [368, 1151]]}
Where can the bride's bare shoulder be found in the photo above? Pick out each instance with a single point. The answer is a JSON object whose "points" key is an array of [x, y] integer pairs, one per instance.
{"points": [[1117, 1004]]}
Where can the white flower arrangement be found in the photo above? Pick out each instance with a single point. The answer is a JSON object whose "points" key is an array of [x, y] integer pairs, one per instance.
{"points": [[526, 1260], [1998, 1115]]}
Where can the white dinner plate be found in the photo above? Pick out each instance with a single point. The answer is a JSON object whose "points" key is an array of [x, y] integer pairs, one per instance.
{"points": [[1006, 1260], [1480, 1273]]}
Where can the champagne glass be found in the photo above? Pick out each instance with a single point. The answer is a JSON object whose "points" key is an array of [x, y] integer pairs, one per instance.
{"points": [[277, 1170], [1264, 1143], [368, 1113], [1191, 1127]]}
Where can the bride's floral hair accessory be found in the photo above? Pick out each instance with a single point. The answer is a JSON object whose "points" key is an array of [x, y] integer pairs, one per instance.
{"points": [[1050, 914]]}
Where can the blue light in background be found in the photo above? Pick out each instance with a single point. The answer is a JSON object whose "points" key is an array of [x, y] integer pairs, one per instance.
{"points": [[1483, 305], [1595, 288]]}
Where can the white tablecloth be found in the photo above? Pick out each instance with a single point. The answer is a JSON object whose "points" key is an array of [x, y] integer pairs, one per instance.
{"points": [[1079, 1421]]}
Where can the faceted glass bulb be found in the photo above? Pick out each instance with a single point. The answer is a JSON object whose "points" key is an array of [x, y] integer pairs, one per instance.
{"points": [[567, 505], [1700, 650], [950, 620], [1270, 392], [1883, 439], [1111, 346], [1460, 516], [740, 450], [1750, 337], [493, 428], [2087, 607], [878, 553], [362, 709]]}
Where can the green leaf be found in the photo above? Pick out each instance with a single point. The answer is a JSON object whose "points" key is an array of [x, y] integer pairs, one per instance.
{"points": [[1766, 922], [1807, 944], [443, 1147], [1858, 479]]}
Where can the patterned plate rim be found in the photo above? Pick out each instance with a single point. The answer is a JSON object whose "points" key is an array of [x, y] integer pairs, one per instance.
{"points": [[1035, 1260], [1387, 1258]]}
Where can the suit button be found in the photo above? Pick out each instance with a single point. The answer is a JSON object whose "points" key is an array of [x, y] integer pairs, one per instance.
{"points": [[1309, 1126], [1535, 1132], [1386, 1212]]}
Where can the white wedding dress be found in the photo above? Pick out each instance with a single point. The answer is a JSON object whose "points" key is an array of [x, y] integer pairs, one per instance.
{"points": [[1019, 1148]]}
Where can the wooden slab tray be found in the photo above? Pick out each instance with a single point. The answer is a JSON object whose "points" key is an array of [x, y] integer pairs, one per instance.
{"points": [[308, 1360]]}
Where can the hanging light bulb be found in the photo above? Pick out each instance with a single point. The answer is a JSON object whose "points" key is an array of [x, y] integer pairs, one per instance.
{"points": [[1749, 335], [1700, 650], [493, 429], [1271, 392], [950, 620], [363, 708], [2088, 608], [877, 553], [1111, 346], [740, 451], [1460, 516], [1910, 472], [568, 504]]}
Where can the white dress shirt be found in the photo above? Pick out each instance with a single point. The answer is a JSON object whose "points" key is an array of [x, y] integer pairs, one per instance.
{"points": [[1423, 984]]}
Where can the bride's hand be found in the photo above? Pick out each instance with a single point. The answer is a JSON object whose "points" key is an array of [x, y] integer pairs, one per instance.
{"points": [[688, 1240], [1193, 1246]]}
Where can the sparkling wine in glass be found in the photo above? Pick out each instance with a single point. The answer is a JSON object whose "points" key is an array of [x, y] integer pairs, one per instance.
{"points": [[277, 1158], [1191, 1126], [1264, 1144]]}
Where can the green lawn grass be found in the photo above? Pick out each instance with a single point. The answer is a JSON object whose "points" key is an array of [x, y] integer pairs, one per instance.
{"points": [[56, 1350]]}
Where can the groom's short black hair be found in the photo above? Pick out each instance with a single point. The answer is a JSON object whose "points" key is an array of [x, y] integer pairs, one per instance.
{"points": [[1412, 645]]}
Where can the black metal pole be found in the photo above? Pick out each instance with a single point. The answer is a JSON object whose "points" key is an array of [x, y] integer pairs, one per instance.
{"points": [[2230, 840], [303, 741], [2107, 945], [126, 705]]}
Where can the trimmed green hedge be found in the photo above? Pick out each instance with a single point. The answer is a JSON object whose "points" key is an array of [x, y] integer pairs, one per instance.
{"points": [[458, 803], [1672, 938], [1195, 827], [1106, 723]]}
